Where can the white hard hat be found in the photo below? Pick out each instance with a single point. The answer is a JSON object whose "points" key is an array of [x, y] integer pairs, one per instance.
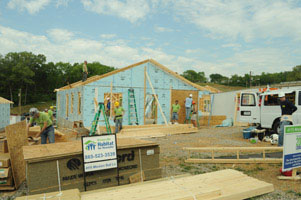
{"points": [[108, 98], [190, 95], [33, 111], [281, 94]]}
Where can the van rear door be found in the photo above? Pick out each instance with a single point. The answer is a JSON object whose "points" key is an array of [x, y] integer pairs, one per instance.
{"points": [[249, 109]]}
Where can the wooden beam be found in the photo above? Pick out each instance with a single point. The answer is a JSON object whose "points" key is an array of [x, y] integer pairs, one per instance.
{"points": [[144, 106], [160, 108], [230, 161], [233, 148]]}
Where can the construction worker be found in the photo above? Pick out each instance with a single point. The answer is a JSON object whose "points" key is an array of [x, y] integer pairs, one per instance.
{"points": [[175, 112], [194, 115], [43, 120], [287, 109], [85, 71], [119, 112], [108, 106], [188, 104]]}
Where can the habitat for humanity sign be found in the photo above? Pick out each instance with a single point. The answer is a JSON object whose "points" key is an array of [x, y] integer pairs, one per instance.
{"points": [[292, 147], [99, 152]]}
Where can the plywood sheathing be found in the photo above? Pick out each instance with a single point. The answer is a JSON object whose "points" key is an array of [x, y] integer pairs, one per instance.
{"points": [[181, 96], [17, 138], [224, 184]]}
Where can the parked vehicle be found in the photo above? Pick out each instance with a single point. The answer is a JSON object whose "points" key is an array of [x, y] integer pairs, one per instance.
{"points": [[264, 108]]}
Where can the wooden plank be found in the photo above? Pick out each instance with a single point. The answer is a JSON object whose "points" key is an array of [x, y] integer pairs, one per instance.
{"points": [[73, 194], [233, 148], [224, 184], [160, 108], [16, 138], [227, 161]]}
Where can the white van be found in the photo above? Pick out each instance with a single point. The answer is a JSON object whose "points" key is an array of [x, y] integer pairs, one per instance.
{"points": [[264, 108]]}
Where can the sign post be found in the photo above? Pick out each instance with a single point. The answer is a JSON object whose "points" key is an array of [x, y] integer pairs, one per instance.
{"points": [[99, 153], [292, 148]]}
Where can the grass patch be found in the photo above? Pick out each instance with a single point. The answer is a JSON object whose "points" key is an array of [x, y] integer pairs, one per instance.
{"points": [[25, 109]]}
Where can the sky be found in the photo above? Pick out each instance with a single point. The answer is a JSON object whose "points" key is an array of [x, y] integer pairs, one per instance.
{"points": [[217, 36]]}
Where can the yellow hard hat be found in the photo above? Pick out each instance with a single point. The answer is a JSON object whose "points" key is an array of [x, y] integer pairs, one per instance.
{"points": [[116, 103], [51, 107]]}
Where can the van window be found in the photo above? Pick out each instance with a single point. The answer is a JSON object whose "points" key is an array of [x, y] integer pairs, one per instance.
{"points": [[299, 99], [248, 100], [271, 100]]}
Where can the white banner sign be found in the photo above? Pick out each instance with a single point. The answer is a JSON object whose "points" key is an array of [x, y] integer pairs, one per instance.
{"points": [[99, 152], [292, 147]]}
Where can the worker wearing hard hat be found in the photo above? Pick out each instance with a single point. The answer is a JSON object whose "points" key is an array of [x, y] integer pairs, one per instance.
{"points": [[43, 120], [119, 112], [287, 109], [188, 105]]}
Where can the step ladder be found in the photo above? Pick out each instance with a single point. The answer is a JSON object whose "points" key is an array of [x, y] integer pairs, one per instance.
{"points": [[101, 109], [132, 109]]}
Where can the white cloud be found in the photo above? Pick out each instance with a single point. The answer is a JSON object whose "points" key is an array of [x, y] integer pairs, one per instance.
{"points": [[163, 29], [33, 6], [59, 35], [63, 45], [130, 10], [233, 45], [246, 19], [62, 3], [108, 36]]}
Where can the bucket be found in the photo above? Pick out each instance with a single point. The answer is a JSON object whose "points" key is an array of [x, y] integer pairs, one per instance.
{"points": [[247, 133]]}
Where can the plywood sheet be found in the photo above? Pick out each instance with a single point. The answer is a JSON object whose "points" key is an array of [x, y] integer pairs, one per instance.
{"points": [[224, 184], [56, 150], [17, 138], [181, 95]]}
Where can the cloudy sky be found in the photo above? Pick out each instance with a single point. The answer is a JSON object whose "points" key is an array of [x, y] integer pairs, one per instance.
{"points": [[216, 36]]}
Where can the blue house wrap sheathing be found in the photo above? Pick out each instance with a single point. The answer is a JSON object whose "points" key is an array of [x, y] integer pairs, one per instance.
{"points": [[76, 102], [4, 112]]}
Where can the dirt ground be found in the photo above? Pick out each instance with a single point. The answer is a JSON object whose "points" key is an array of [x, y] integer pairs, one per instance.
{"points": [[172, 158]]}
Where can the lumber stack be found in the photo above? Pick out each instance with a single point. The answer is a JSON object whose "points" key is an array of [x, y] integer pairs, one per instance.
{"points": [[156, 131], [6, 177], [214, 120], [224, 184], [137, 160]]}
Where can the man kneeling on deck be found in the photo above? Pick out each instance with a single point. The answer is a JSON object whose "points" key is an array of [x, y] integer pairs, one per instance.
{"points": [[43, 120]]}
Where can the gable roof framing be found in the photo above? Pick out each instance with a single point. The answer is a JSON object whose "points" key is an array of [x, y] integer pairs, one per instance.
{"points": [[98, 77], [4, 101]]}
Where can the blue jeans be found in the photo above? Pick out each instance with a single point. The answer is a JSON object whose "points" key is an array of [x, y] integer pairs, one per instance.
{"points": [[281, 134], [48, 132], [118, 124], [188, 111], [175, 116]]}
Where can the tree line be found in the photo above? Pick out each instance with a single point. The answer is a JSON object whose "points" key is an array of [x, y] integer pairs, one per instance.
{"points": [[247, 79], [36, 78]]}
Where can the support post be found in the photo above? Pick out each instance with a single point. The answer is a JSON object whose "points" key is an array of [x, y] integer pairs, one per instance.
{"points": [[111, 99], [144, 106]]}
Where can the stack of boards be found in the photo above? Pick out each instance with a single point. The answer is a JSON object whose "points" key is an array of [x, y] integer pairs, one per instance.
{"points": [[225, 184]]}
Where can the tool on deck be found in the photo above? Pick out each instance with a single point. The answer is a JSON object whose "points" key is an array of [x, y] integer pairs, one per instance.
{"points": [[101, 109], [132, 111]]}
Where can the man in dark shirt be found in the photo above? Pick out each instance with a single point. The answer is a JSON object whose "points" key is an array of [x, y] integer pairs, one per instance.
{"points": [[287, 109]]}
